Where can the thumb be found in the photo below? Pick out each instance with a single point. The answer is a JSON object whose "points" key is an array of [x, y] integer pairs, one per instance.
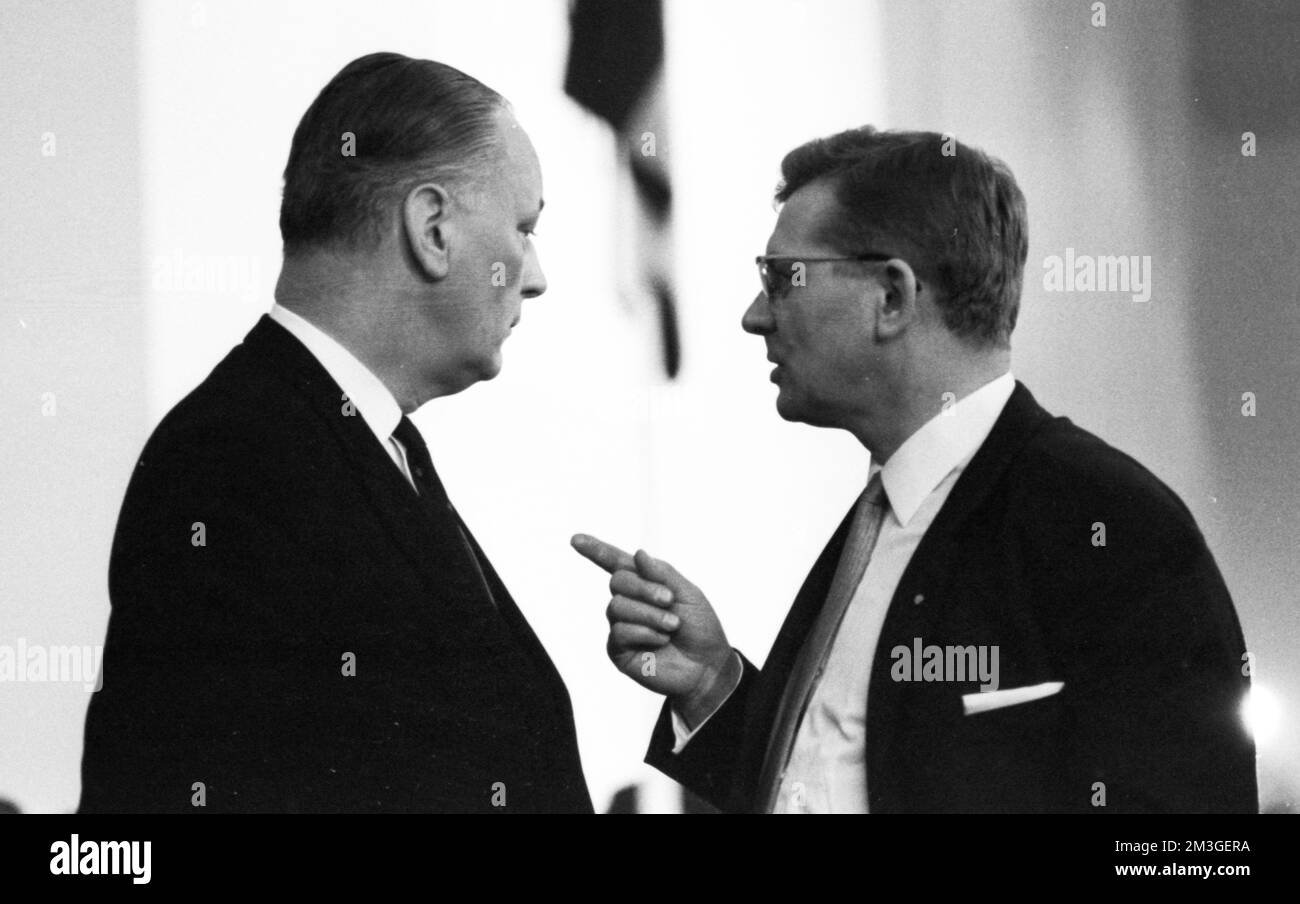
{"points": [[661, 572]]}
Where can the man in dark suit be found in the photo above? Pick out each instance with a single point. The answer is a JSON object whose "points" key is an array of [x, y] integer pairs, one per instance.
{"points": [[301, 620], [1014, 616]]}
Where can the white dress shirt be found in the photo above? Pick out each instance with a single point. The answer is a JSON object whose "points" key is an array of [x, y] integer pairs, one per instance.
{"points": [[826, 772], [360, 386]]}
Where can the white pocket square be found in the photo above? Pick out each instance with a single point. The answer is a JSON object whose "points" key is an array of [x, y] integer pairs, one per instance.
{"points": [[982, 702]]}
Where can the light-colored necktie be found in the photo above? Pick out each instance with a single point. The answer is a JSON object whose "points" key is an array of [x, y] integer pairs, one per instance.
{"points": [[811, 662]]}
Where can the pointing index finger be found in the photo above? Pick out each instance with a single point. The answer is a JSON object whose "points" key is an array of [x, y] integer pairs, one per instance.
{"points": [[606, 555]]}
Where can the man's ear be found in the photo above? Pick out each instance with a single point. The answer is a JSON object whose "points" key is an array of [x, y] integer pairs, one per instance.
{"points": [[896, 305], [426, 212]]}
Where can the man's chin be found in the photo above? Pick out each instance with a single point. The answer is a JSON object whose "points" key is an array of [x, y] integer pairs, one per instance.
{"points": [[470, 374], [488, 368], [787, 407], [798, 411]]}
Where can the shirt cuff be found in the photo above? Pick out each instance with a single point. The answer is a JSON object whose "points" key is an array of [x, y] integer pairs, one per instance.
{"points": [[681, 733]]}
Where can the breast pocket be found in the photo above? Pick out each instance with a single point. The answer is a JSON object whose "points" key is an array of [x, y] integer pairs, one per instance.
{"points": [[1011, 759]]}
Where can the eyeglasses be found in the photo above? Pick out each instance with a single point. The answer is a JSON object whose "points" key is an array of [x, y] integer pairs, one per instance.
{"points": [[777, 272]]}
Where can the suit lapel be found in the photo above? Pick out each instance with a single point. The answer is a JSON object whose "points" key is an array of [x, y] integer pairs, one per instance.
{"points": [[429, 542], [779, 665], [907, 618], [510, 613], [807, 605]]}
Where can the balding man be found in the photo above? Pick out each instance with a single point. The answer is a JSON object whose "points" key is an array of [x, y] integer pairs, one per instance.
{"points": [[301, 620]]}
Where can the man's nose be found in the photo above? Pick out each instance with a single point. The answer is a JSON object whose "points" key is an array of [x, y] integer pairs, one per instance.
{"points": [[758, 318], [534, 280]]}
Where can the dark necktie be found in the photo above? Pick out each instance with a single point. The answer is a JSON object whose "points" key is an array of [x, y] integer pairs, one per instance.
{"points": [[430, 488]]}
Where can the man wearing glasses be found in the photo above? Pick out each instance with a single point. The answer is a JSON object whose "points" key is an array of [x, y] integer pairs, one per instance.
{"points": [[1013, 616]]}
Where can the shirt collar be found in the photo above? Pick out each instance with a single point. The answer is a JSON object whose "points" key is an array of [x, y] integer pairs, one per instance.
{"points": [[945, 442], [378, 407]]}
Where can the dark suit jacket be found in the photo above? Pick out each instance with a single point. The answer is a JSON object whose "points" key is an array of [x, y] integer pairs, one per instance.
{"points": [[1141, 631], [225, 662]]}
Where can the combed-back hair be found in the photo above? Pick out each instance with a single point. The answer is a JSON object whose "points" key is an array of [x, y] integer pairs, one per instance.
{"points": [[383, 124], [951, 211]]}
